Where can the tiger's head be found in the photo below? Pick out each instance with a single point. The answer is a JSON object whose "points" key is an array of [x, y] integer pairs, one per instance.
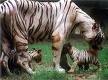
{"points": [[67, 48], [96, 42], [89, 29], [36, 55]]}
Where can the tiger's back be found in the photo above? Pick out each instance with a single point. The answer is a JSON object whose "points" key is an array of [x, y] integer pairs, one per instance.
{"points": [[35, 20]]}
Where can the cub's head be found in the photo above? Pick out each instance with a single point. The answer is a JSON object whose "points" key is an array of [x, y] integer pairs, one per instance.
{"points": [[36, 55], [66, 48]]}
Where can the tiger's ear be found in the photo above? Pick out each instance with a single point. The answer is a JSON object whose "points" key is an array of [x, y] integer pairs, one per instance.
{"points": [[67, 46], [96, 27]]}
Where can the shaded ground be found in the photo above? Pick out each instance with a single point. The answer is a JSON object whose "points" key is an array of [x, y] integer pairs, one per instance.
{"points": [[46, 72]]}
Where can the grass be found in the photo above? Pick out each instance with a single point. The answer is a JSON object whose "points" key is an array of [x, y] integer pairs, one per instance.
{"points": [[46, 71]]}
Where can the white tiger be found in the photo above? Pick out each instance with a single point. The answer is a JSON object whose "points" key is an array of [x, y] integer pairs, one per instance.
{"points": [[25, 21]]}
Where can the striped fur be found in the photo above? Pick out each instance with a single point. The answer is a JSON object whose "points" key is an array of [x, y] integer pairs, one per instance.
{"points": [[35, 19], [36, 55], [82, 57], [26, 21]]}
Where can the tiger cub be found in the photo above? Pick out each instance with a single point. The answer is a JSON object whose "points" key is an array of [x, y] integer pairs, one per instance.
{"points": [[81, 58]]}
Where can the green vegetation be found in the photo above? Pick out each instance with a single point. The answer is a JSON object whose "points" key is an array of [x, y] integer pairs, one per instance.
{"points": [[45, 71]]}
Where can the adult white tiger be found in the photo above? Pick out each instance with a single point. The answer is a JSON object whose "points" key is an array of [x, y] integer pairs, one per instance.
{"points": [[25, 21]]}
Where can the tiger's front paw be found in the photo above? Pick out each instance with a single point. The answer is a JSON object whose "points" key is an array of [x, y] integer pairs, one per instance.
{"points": [[71, 71], [59, 69]]}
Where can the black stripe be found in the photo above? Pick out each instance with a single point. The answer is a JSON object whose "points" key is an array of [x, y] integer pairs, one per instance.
{"points": [[51, 8], [22, 8], [42, 4], [22, 20], [26, 9], [32, 17], [16, 33], [38, 7], [8, 7], [40, 22], [39, 35], [51, 30], [20, 5], [21, 44], [6, 29], [56, 9], [66, 16], [19, 26], [30, 31], [2, 8], [63, 12], [11, 4], [51, 18], [46, 31], [47, 10], [60, 4], [65, 5]]}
